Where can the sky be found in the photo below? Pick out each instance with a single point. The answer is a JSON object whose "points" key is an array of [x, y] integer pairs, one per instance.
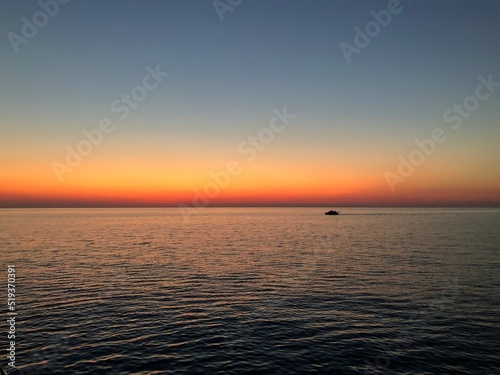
{"points": [[228, 102]]}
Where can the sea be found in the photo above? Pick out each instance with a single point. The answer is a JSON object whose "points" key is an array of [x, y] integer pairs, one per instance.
{"points": [[252, 291]]}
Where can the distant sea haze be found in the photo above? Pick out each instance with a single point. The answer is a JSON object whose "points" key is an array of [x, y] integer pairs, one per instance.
{"points": [[255, 290]]}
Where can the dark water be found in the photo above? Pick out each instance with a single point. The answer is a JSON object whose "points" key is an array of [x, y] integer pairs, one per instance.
{"points": [[271, 291]]}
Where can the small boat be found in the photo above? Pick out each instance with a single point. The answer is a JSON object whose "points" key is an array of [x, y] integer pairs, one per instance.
{"points": [[332, 212]]}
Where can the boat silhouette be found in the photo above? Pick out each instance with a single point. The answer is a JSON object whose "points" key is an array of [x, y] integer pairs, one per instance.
{"points": [[332, 212]]}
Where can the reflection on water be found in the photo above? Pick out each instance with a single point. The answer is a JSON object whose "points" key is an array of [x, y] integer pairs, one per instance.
{"points": [[140, 291]]}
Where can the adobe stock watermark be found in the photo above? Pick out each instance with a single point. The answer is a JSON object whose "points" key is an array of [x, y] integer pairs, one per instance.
{"points": [[248, 148], [364, 36], [224, 6], [30, 26], [455, 116], [122, 107]]}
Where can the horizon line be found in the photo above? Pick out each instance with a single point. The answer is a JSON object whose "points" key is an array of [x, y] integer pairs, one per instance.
{"points": [[465, 205]]}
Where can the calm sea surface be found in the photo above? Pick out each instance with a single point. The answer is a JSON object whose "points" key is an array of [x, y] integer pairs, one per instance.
{"points": [[260, 290]]}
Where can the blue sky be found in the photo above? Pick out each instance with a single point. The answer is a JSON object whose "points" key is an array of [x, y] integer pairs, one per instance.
{"points": [[262, 54]]}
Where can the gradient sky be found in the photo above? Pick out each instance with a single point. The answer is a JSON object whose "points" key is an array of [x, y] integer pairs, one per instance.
{"points": [[352, 121]]}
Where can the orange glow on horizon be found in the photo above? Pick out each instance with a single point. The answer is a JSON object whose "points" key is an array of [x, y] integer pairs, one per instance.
{"points": [[267, 181]]}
